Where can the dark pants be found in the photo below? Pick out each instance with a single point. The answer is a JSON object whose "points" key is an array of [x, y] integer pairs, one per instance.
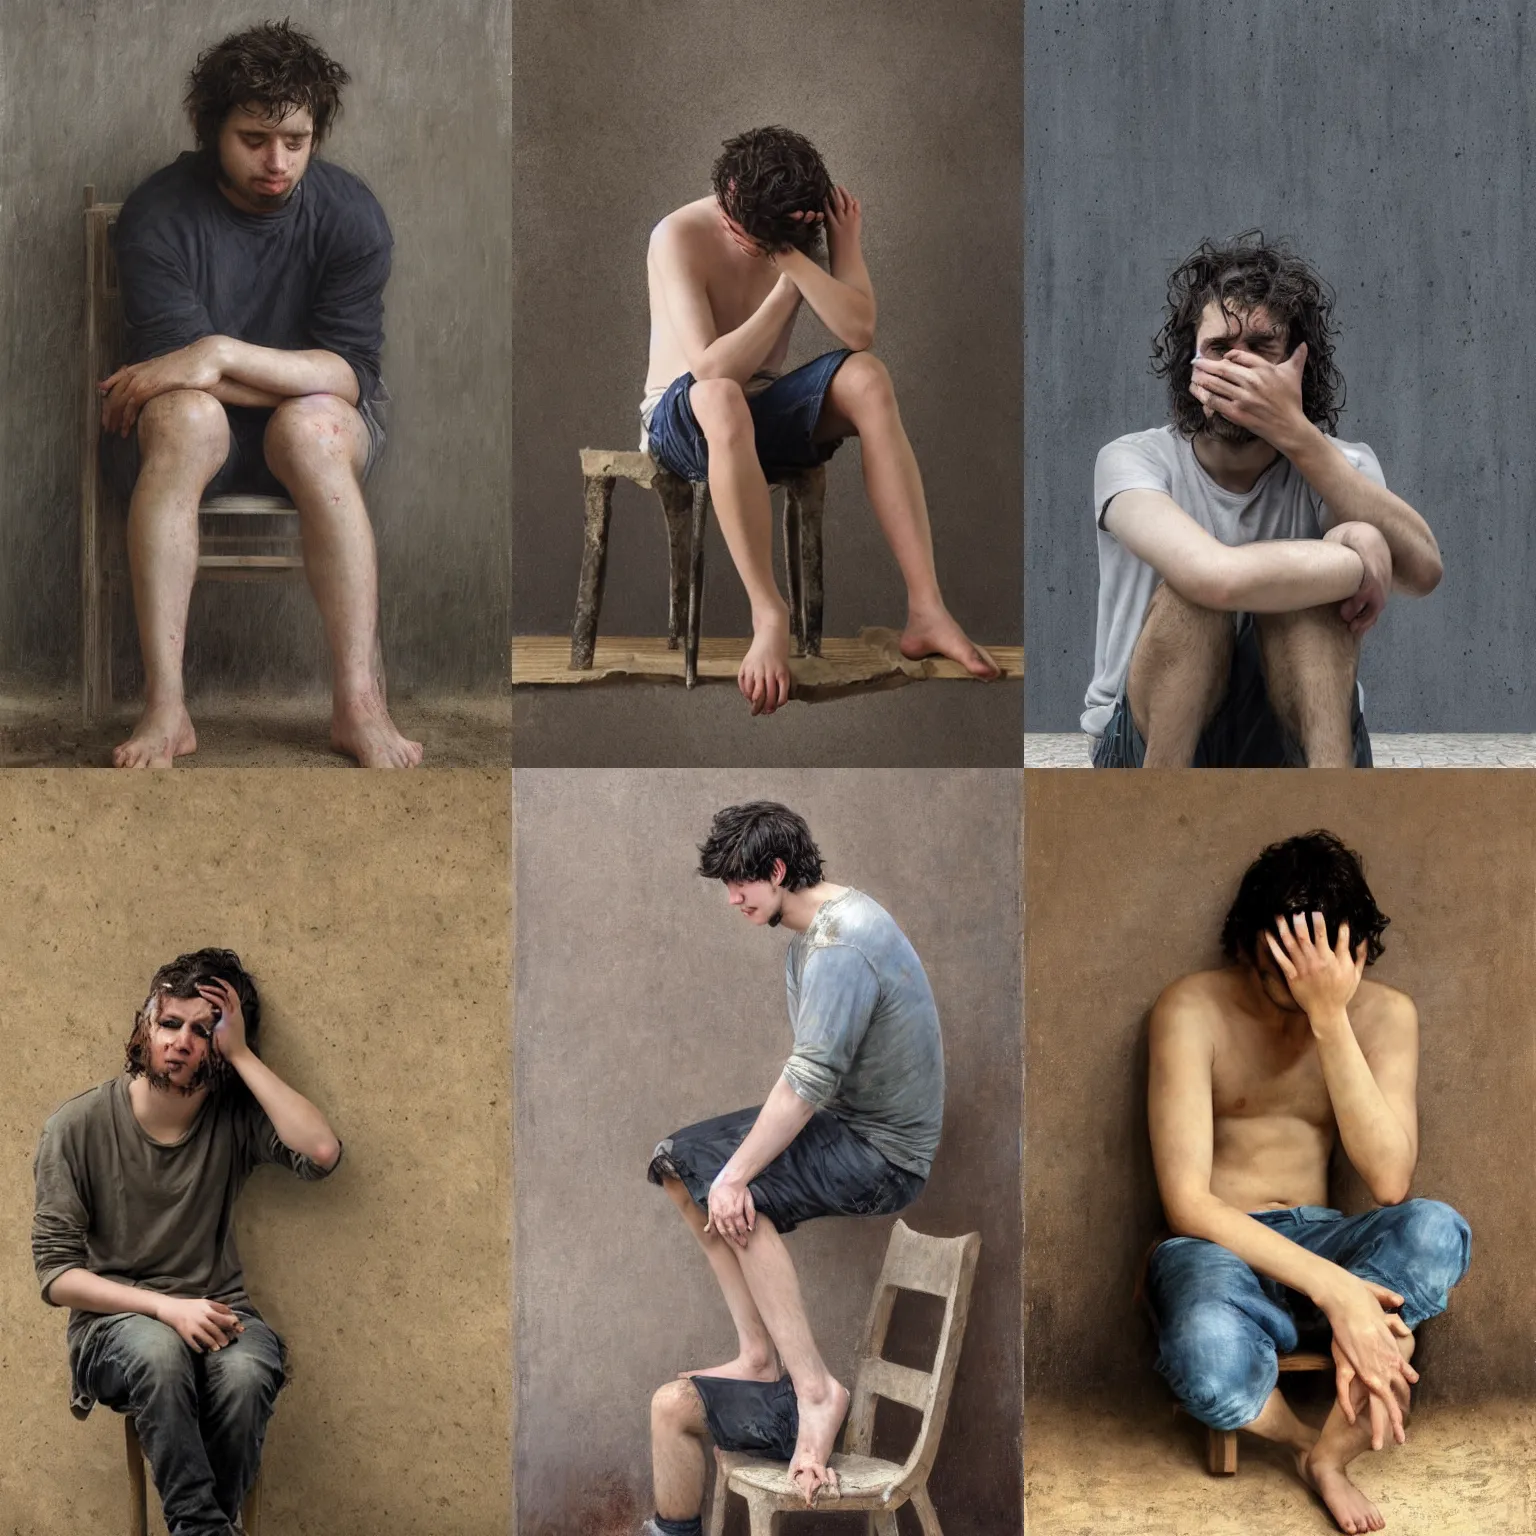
{"points": [[201, 1417]]}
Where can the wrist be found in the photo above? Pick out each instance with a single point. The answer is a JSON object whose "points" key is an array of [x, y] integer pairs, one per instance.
{"points": [[215, 352], [1331, 1022], [1301, 441]]}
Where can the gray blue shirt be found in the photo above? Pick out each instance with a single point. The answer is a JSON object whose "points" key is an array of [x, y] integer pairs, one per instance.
{"points": [[867, 1041]]}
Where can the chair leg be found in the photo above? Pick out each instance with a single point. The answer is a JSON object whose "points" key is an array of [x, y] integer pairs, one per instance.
{"points": [[759, 1515], [1221, 1451], [792, 567], [812, 498], [96, 633], [926, 1515], [695, 583], [250, 1511], [598, 494], [676, 498], [138, 1501], [883, 1522], [716, 1526]]}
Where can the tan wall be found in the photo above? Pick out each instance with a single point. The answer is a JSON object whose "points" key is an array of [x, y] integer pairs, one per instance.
{"points": [[644, 1004], [1129, 878], [374, 915]]}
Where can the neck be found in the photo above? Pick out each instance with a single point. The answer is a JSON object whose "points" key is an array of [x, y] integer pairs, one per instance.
{"points": [[800, 907], [1233, 466], [161, 1111]]}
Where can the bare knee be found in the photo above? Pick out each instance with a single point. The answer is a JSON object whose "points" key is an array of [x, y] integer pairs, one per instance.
{"points": [[1313, 641], [863, 385], [184, 422], [676, 1409], [720, 408], [313, 431]]}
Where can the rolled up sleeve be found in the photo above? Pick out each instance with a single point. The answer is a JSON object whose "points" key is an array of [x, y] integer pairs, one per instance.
{"points": [[838, 995], [60, 1219]]}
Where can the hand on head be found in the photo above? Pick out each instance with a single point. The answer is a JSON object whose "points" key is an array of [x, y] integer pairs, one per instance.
{"points": [[228, 1038]]}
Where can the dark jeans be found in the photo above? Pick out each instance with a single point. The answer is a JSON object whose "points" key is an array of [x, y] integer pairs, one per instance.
{"points": [[201, 1417]]}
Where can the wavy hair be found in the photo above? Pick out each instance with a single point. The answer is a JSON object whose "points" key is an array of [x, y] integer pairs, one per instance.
{"points": [[181, 978], [274, 67], [765, 176], [745, 840]]}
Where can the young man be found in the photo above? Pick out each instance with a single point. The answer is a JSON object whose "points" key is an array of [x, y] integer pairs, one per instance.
{"points": [[849, 1129], [1256, 1072], [1243, 550], [136, 1184], [252, 276], [727, 277]]}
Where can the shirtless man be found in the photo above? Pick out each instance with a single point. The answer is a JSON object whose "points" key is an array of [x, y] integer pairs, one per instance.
{"points": [[1256, 1071], [1243, 549], [252, 276], [849, 1129], [727, 275]]}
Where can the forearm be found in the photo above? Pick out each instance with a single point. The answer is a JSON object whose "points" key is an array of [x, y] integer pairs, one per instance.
{"points": [[842, 299], [1354, 498], [1260, 1247], [272, 372], [229, 392], [740, 353], [1376, 1142], [1273, 576], [85, 1292], [781, 1119], [299, 1125]]}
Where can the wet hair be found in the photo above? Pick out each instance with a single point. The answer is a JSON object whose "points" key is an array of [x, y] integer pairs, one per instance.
{"points": [[274, 68], [744, 841], [1242, 275], [1311, 873], [764, 176], [181, 977]]}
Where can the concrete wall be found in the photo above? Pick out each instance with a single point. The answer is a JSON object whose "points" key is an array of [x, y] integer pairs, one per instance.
{"points": [[619, 113], [1393, 144], [644, 1004], [1129, 877], [374, 915], [93, 94]]}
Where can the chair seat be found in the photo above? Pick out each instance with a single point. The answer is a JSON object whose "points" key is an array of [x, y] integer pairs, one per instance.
{"points": [[866, 1481], [247, 506]]}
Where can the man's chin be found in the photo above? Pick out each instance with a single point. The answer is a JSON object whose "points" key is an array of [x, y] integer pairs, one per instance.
{"points": [[1221, 430]]}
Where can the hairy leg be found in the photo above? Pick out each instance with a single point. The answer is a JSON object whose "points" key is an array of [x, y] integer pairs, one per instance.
{"points": [[1178, 677], [1310, 660], [861, 402], [183, 440], [740, 493], [756, 1358], [317, 445], [678, 1429]]}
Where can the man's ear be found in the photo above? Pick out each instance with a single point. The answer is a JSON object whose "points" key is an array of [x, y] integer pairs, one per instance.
{"points": [[780, 870]]}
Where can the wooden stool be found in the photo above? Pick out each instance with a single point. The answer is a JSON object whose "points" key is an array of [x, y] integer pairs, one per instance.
{"points": [[138, 1491], [685, 506], [1221, 1444]]}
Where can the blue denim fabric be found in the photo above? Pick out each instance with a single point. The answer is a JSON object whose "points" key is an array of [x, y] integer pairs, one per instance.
{"points": [[1221, 1325], [201, 1417], [784, 418]]}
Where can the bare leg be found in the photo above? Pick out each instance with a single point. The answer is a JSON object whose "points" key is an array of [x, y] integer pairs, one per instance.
{"points": [[756, 1359], [678, 1429], [183, 440], [1310, 659], [317, 445], [861, 402], [740, 493], [1178, 677]]}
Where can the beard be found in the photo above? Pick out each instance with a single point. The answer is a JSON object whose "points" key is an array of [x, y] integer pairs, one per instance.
{"points": [[1228, 432]]}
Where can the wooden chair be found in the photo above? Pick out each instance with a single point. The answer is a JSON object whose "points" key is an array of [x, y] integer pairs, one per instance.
{"points": [[1221, 1444], [685, 506], [937, 1266], [242, 538], [138, 1489]]}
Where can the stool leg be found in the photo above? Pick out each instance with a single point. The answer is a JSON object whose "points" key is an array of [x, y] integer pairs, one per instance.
{"points": [[1221, 1451], [792, 568], [250, 1511], [676, 497], [812, 498], [696, 583], [598, 494], [138, 1504]]}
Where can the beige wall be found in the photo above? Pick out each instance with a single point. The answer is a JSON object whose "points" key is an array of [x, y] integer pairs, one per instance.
{"points": [[373, 911]]}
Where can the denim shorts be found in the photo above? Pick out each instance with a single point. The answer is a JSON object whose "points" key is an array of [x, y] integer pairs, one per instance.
{"points": [[827, 1170], [784, 418], [759, 1417], [1245, 731]]}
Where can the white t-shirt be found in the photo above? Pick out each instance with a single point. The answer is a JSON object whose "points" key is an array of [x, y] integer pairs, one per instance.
{"points": [[1281, 505]]}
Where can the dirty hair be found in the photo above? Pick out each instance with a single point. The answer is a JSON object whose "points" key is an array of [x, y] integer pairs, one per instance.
{"points": [[765, 176], [273, 68], [745, 840], [1244, 274], [1311, 873], [181, 978]]}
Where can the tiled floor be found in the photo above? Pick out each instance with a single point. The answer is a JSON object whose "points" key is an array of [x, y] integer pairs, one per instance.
{"points": [[1401, 751]]}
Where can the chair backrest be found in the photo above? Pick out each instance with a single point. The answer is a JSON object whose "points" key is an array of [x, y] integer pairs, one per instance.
{"points": [[103, 313], [936, 1266]]}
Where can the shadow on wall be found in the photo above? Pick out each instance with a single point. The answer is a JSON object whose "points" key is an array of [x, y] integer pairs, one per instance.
{"points": [[426, 122]]}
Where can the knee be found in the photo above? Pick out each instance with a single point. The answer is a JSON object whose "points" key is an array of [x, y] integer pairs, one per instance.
{"points": [[720, 408], [183, 418], [1220, 1372], [1435, 1243], [1172, 609], [154, 1357], [310, 429], [866, 383], [675, 1408]]}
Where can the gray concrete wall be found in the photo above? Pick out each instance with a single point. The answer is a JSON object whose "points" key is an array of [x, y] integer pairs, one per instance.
{"points": [[643, 1004], [1393, 143], [92, 94], [619, 113]]}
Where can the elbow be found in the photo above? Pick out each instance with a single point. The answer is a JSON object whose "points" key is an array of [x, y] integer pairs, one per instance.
{"points": [[1184, 1217], [859, 338], [328, 1153], [1425, 576], [1213, 586], [1391, 1189]]}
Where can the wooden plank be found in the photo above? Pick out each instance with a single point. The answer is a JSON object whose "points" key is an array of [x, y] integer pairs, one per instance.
{"points": [[250, 562], [248, 506]]}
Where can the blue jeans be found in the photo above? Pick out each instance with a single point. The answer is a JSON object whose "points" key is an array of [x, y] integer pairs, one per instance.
{"points": [[1221, 1326], [201, 1417]]}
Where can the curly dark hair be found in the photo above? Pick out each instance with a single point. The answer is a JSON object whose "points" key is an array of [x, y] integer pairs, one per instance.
{"points": [[181, 977], [744, 841], [763, 177], [273, 67], [1311, 873], [1241, 275]]}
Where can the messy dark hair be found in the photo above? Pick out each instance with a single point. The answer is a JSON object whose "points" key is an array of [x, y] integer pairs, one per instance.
{"points": [[273, 68], [181, 978], [1311, 873], [744, 841], [765, 176], [1244, 274]]}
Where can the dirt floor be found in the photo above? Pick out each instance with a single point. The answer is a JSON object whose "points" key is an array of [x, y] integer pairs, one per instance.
{"points": [[1088, 1472], [255, 730]]}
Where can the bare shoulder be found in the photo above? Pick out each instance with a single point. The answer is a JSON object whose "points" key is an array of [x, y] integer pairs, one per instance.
{"points": [[1191, 1005], [684, 232], [1382, 1014]]}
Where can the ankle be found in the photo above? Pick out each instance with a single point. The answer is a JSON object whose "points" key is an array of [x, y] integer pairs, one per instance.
{"points": [[816, 1391]]}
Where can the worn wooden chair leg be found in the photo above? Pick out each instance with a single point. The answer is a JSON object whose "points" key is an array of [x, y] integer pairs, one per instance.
{"points": [[883, 1522], [96, 630], [793, 571], [812, 497], [250, 1511], [138, 1496], [759, 1515], [927, 1517], [1221, 1451], [676, 497], [695, 583], [598, 493]]}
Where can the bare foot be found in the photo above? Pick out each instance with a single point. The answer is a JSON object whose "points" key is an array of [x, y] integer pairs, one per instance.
{"points": [[764, 674], [937, 634], [1350, 1508], [164, 733], [743, 1368], [819, 1424], [364, 730]]}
